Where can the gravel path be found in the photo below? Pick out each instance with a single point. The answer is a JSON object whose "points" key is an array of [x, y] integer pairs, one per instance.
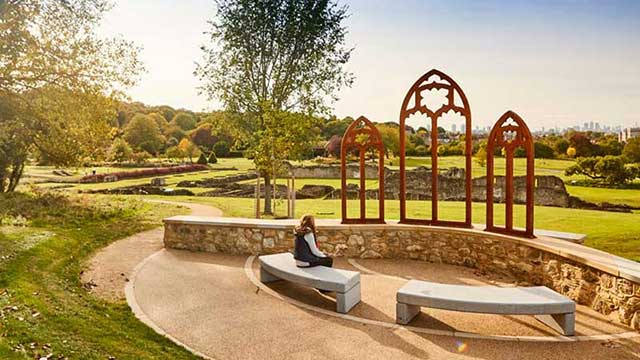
{"points": [[109, 270]]}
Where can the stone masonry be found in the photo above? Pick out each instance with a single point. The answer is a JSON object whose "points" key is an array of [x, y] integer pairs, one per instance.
{"points": [[605, 292]]}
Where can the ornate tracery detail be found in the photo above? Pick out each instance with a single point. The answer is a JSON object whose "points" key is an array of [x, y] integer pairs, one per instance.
{"points": [[510, 133], [415, 102], [362, 136]]}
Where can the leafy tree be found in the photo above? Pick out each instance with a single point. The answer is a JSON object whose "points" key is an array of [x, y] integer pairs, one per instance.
{"points": [[52, 47], [632, 149], [202, 159], [270, 62], [203, 136], [610, 169], [543, 151], [120, 151], [334, 145], [571, 152], [142, 133], [582, 145], [141, 156], [221, 148], [189, 149], [422, 150], [481, 155], [173, 131], [184, 121], [159, 119], [561, 146], [610, 145], [390, 139]]}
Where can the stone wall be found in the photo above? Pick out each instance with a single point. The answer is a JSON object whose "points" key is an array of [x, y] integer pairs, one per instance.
{"points": [[535, 262], [333, 171]]}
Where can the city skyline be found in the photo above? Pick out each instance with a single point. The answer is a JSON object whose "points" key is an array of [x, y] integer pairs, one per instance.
{"points": [[556, 64]]}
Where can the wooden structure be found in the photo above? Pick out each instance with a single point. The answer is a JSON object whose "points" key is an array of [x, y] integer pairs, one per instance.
{"points": [[362, 136], [510, 133], [413, 103]]}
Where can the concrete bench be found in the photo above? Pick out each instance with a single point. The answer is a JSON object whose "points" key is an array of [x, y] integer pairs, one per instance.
{"points": [[546, 305], [346, 284]]}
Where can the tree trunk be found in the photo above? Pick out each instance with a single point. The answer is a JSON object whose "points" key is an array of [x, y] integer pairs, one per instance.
{"points": [[267, 194], [16, 174]]}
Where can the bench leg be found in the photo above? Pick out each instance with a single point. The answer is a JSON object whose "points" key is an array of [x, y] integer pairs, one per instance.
{"points": [[405, 313], [562, 323], [266, 277], [346, 301]]}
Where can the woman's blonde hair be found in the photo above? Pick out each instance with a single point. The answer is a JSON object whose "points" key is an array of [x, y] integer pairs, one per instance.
{"points": [[307, 224]]}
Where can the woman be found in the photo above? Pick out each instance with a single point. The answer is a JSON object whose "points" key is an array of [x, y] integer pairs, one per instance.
{"points": [[306, 250]]}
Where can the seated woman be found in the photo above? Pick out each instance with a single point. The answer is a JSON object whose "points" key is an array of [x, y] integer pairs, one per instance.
{"points": [[306, 250]]}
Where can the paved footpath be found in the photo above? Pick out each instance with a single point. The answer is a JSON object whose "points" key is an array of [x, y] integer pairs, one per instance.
{"points": [[213, 305], [110, 269]]}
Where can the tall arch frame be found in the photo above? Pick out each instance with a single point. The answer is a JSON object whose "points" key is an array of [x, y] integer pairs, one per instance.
{"points": [[362, 135], [509, 133], [413, 104]]}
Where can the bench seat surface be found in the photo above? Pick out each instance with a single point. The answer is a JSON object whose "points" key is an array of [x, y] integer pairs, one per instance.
{"points": [[284, 267], [485, 299]]}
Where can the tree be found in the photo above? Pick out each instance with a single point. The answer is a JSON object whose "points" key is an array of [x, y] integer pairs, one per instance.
{"points": [[142, 133], [189, 149], [632, 149], [481, 154], [610, 169], [610, 145], [52, 47], [571, 152], [184, 121], [269, 59], [390, 139], [203, 136], [542, 151], [334, 145], [120, 151], [221, 148]]}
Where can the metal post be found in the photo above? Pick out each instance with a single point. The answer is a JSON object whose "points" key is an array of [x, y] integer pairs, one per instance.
{"points": [[258, 196], [293, 196]]}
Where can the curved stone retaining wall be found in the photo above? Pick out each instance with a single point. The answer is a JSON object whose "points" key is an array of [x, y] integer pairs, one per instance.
{"points": [[606, 283]]}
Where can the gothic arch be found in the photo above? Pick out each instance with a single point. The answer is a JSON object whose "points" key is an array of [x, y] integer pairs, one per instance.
{"points": [[509, 133], [362, 135], [413, 103]]}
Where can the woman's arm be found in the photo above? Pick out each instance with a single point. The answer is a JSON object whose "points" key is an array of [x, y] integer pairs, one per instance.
{"points": [[309, 238]]}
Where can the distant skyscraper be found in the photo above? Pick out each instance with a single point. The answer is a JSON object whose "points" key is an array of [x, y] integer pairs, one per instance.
{"points": [[585, 126], [463, 128], [453, 128]]}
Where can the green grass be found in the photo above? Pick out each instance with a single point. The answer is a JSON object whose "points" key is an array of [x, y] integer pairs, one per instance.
{"points": [[45, 307], [616, 233], [630, 197]]}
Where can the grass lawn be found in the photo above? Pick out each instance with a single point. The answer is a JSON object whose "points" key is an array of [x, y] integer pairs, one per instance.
{"points": [[45, 309], [616, 233]]}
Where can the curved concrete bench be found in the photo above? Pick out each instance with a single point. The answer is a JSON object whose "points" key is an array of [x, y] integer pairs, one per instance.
{"points": [[546, 305], [346, 284]]}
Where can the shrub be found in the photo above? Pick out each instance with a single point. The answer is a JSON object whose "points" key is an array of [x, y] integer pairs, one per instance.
{"points": [[421, 150], [202, 160], [571, 152], [212, 158], [159, 171], [120, 151]]}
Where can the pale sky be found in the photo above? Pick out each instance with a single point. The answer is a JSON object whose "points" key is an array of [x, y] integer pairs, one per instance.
{"points": [[555, 63]]}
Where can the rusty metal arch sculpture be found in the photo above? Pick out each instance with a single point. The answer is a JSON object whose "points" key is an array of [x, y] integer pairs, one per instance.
{"points": [[413, 103], [362, 135], [510, 133]]}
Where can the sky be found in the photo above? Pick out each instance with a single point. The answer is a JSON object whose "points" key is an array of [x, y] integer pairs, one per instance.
{"points": [[556, 63]]}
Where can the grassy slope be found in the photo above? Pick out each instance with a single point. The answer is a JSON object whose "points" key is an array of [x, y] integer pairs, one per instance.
{"points": [[612, 232], [43, 279]]}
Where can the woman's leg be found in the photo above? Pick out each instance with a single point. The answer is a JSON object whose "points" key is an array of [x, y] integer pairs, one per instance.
{"points": [[325, 261]]}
